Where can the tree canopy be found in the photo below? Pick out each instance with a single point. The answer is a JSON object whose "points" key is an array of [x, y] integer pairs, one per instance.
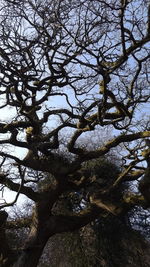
{"points": [[69, 71]]}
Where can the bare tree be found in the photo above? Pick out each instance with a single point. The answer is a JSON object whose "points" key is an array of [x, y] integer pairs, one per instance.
{"points": [[69, 68]]}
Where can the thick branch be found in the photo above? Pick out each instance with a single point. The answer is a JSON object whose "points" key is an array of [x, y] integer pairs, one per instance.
{"points": [[87, 155], [29, 192]]}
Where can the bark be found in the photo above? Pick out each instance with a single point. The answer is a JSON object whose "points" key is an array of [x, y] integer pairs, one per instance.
{"points": [[39, 234], [44, 225], [109, 243], [117, 244], [30, 256]]}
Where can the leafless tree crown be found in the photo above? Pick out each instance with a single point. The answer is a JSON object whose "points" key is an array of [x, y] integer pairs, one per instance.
{"points": [[70, 69]]}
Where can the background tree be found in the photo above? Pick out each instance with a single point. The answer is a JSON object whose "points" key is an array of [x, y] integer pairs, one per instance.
{"points": [[69, 68]]}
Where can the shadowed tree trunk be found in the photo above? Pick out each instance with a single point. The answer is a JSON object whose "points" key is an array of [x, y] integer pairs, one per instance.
{"points": [[110, 243], [116, 244], [40, 231]]}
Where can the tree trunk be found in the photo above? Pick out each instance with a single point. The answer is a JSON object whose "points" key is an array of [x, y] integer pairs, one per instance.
{"points": [[116, 244], [30, 257], [108, 243], [40, 232]]}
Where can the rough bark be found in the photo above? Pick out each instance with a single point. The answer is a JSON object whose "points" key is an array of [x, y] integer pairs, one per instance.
{"points": [[38, 237], [117, 244], [31, 255], [109, 243]]}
